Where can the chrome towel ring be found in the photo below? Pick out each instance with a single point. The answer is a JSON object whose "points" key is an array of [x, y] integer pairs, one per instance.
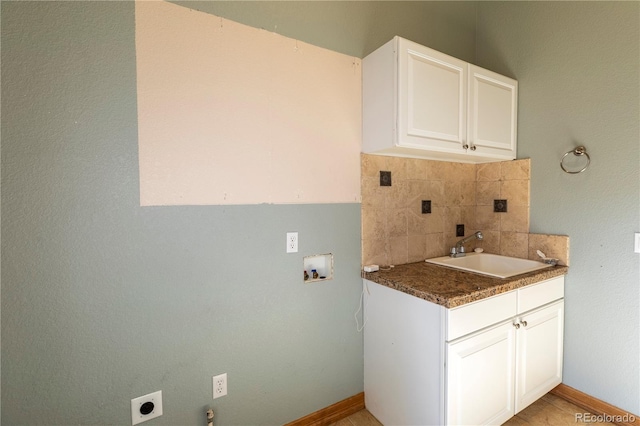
{"points": [[578, 152]]}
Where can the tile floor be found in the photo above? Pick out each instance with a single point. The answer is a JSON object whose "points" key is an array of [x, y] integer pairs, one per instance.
{"points": [[547, 411]]}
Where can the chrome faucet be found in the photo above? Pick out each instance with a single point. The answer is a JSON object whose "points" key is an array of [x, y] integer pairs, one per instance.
{"points": [[458, 250]]}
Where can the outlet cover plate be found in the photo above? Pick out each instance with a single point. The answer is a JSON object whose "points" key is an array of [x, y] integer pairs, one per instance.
{"points": [[154, 398], [219, 385], [292, 242]]}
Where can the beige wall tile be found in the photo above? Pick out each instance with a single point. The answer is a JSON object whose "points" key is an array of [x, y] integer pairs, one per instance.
{"points": [[374, 252], [373, 224], [554, 246], [486, 219], [467, 171], [396, 223], [449, 173], [460, 172], [486, 192], [516, 169], [398, 168], [435, 246], [469, 220], [415, 208], [397, 195], [455, 215], [434, 222], [416, 169], [491, 242], [394, 230], [415, 194], [371, 165], [416, 223], [488, 172], [436, 170], [434, 191], [514, 244], [516, 192], [451, 217], [398, 250], [516, 219], [452, 193], [450, 240], [417, 248], [468, 193], [373, 195]]}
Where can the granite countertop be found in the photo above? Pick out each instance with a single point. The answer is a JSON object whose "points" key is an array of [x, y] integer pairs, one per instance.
{"points": [[450, 287]]}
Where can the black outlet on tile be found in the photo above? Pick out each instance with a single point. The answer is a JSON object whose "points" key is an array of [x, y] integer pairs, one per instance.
{"points": [[500, 206], [426, 206], [460, 230], [385, 178]]}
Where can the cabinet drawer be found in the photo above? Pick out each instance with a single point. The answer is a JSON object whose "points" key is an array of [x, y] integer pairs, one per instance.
{"points": [[536, 295], [475, 316]]}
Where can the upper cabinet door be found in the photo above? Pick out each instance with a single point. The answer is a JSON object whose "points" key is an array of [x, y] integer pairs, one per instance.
{"points": [[432, 98], [493, 106]]}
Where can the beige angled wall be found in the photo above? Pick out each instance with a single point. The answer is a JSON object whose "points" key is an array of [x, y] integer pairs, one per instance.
{"points": [[230, 114]]}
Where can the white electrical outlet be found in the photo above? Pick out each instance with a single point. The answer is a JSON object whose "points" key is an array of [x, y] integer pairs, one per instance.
{"points": [[146, 407], [637, 243], [219, 385], [292, 242]]}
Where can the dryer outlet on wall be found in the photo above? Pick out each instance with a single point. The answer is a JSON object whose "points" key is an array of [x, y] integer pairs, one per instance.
{"points": [[146, 407], [292, 242]]}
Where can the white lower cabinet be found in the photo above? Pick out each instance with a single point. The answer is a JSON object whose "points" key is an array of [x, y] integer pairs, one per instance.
{"points": [[477, 364], [493, 374]]}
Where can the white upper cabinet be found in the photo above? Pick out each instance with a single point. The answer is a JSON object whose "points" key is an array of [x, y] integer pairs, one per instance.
{"points": [[419, 102]]}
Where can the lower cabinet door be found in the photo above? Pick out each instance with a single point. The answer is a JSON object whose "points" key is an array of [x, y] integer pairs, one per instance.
{"points": [[480, 377], [539, 344]]}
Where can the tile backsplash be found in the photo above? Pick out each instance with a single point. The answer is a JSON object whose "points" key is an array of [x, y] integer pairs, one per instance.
{"points": [[396, 231]]}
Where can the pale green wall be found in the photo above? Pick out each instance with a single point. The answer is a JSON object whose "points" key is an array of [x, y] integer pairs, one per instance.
{"points": [[103, 300], [578, 70]]}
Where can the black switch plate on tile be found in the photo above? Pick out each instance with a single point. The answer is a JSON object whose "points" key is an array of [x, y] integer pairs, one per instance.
{"points": [[500, 206], [426, 206], [385, 178], [460, 230]]}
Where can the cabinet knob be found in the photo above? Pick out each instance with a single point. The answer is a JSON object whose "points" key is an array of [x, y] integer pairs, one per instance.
{"points": [[516, 325], [524, 323], [465, 146], [473, 148]]}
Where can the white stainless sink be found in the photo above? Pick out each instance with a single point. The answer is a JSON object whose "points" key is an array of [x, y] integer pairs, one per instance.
{"points": [[493, 265]]}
